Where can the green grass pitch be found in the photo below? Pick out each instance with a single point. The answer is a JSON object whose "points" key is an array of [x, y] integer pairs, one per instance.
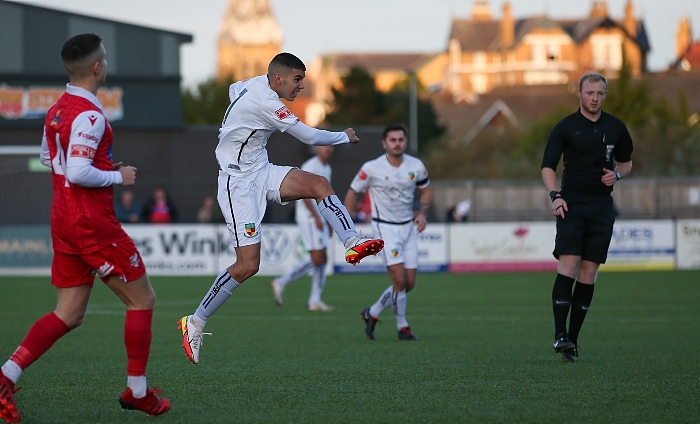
{"points": [[484, 354]]}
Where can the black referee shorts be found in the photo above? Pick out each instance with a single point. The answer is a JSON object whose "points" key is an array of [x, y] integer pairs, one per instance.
{"points": [[586, 230]]}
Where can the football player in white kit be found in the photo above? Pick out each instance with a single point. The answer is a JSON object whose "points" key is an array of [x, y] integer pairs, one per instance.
{"points": [[392, 180], [247, 180], [314, 234]]}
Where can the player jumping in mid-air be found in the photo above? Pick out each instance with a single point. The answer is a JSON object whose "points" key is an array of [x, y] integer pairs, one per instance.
{"points": [[247, 181]]}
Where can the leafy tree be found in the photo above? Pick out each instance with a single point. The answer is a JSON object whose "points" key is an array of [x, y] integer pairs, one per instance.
{"points": [[629, 100], [206, 104], [359, 102], [398, 102], [666, 138]]}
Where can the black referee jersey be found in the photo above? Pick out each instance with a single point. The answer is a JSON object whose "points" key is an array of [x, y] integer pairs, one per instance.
{"points": [[588, 147]]}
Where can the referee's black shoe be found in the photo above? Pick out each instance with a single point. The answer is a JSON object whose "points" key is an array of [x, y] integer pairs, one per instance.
{"points": [[570, 355], [563, 344]]}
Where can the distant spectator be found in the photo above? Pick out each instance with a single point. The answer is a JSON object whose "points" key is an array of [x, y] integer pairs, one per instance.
{"points": [[209, 212], [160, 209], [460, 212], [364, 209], [127, 209], [204, 214]]}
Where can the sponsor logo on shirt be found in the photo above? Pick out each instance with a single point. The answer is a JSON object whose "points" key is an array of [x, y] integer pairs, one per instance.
{"points": [[88, 136], [105, 269], [92, 119], [362, 175], [82, 151], [251, 230], [283, 112], [412, 176]]}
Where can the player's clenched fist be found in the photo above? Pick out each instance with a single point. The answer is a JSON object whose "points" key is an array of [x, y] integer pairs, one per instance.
{"points": [[351, 135], [128, 175]]}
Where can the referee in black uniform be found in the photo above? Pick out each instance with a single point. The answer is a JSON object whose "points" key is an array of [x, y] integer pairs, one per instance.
{"points": [[597, 151]]}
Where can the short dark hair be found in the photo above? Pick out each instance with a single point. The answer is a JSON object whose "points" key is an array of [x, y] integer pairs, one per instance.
{"points": [[592, 77], [394, 127], [79, 47], [285, 61]]}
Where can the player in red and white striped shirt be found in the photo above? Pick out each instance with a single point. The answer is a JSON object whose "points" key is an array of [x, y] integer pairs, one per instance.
{"points": [[87, 239]]}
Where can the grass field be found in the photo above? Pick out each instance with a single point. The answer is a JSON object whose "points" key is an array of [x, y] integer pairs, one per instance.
{"points": [[484, 354]]}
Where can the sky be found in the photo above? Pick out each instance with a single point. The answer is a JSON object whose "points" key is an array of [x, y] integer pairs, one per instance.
{"points": [[315, 27]]}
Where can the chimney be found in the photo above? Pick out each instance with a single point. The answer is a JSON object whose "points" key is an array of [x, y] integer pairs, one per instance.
{"points": [[481, 11], [599, 9], [630, 21], [684, 37], [507, 26]]}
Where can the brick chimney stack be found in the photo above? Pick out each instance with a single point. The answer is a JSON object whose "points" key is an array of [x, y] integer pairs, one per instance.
{"points": [[599, 9], [630, 21], [507, 26], [481, 11], [684, 37]]}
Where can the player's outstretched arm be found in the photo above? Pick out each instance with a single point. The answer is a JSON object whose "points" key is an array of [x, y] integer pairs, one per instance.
{"points": [[314, 136]]}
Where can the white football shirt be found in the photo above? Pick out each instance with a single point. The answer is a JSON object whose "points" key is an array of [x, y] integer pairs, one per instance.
{"points": [[315, 166], [254, 114], [391, 189]]}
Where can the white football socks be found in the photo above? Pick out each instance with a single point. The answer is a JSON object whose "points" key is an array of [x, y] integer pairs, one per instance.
{"points": [[318, 280], [382, 303], [138, 385], [218, 294], [300, 270], [337, 216], [12, 371], [400, 309]]}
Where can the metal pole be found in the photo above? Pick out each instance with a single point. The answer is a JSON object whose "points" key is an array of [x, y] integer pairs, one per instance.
{"points": [[413, 114]]}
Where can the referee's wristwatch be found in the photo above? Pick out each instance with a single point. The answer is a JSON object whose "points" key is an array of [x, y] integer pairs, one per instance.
{"points": [[617, 175], [554, 195]]}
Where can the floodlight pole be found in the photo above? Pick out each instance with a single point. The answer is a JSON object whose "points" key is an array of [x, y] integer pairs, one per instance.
{"points": [[413, 113]]}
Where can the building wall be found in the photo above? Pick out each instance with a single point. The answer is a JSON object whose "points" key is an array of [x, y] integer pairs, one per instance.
{"points": [[144, 64], [245, 61]]}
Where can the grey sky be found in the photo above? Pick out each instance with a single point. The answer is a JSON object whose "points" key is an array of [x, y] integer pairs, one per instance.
{"points": [[313, 27]]}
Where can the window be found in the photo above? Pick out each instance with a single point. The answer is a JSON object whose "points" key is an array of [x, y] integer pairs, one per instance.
{"points": [[607, 51]]}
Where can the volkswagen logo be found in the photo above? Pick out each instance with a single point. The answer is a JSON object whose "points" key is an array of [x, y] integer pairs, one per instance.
{"points": [[275, 245]]}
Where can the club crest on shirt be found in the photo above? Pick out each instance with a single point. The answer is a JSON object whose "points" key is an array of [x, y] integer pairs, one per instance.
{"points": [[412, 175], [56, 119], [283, 112], [251, 230], [395, 253]]}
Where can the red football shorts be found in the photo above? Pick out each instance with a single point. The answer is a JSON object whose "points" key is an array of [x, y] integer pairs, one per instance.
{"points": [[121, 259]]}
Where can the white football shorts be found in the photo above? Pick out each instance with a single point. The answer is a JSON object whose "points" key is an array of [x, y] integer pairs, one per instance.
{"points": [[400, 243], [243, 201], [311, 236]]}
